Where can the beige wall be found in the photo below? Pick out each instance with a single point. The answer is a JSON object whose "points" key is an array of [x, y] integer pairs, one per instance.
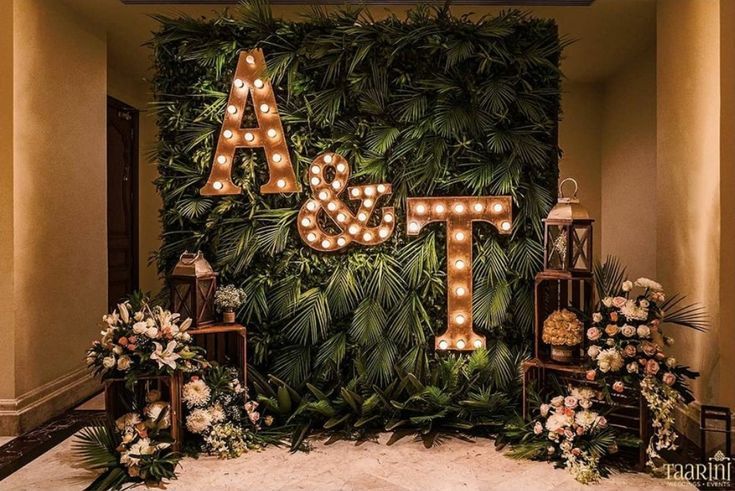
{"points": [[688, 174], [59, 191], [628, 166], [579, 138], [7, 308]]}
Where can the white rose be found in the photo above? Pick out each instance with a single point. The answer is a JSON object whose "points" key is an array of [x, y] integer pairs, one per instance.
{"points": [[140, 327], [123, 363], [644, 331], [544, 409], [627, 286], [108, 362], [671, 362], [597, 317], [607, 302], [593, 351], [628, 330]]}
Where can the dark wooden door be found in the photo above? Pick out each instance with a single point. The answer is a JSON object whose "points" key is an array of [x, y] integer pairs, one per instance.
{"points": [[122, 200]]}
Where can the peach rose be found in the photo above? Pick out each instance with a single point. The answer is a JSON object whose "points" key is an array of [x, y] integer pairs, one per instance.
{"points": [[669, 378], [590, 375], [652, 367], [612, 330], [614, 316], [593, 334], [618, 387]]}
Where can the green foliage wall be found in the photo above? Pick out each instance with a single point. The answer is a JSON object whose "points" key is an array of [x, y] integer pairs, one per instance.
{"points": [[434, 104]]}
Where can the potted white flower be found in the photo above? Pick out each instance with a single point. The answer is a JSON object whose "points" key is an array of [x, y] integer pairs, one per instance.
{"points": [[227, 299]]}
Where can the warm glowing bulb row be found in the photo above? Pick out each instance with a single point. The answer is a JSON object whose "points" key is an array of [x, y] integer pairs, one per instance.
{"points": [[460, 344]]}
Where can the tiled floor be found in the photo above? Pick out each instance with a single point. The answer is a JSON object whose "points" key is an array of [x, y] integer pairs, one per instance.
{"points": [[406, 465]]}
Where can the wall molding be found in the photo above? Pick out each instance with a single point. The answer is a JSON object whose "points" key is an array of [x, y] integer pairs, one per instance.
{"points": [[46, 401]]}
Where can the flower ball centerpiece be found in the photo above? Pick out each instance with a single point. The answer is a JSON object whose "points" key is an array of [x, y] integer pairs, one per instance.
{"points": [[563, 331], [227, 299]]}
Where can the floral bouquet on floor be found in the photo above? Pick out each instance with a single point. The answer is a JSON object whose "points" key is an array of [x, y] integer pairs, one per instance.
{"points": [[569, 432], [139, 339], [219, 416], [627, 347], [136, 448]]}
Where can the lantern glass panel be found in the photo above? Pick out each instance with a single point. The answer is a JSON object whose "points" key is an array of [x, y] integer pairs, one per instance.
{"points": [[556, 246], [182, 302], [205, 294], [581, 248]]}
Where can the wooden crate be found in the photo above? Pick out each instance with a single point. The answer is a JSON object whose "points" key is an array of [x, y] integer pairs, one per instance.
{"points": [[628, 411], [120, 399], [556, 291], [225, 344]]}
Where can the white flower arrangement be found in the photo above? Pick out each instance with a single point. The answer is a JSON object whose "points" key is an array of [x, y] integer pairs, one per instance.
{"points": [[228, 298]]}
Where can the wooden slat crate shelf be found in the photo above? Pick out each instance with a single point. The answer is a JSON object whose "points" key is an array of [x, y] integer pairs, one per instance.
{"points": [[627, 412], [225, 344]]}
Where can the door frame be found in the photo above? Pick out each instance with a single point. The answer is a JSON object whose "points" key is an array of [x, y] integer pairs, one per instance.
{"points": [[135, 114]]}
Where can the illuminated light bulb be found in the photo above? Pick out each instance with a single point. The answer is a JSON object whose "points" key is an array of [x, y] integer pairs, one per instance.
{"points": [[367, 237], [381, 188], [505, 226], [336, 184], [459, 264], [384, 232], [355, 192], [477, 343], [227, 134], [328, 158], [459, 319], [353, 229], [460, 344], [249, 136], [323, 195], [217, 185], [250, 60], [258, 83], [420, 209], [369, 191], [315, 169], [459, 236], [326, 243], [281, 183], [221, 159], [306, 222], [311, 237], [277, 157], [439, 208], [459, 208], [239, 83], [478, 207], [497, 207], [315, 181], [368, 203], [332, 206], [362, 216], [460, 291], [264, 108], [341, 217], [231, 109], [443, 344], [272, 133], [413, 227], [341, 168], [341, 241], [311, 206], [388, 218]]}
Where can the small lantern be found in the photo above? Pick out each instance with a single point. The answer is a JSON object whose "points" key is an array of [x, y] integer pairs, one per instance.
{"points": [[193, 283], [568, 236]]}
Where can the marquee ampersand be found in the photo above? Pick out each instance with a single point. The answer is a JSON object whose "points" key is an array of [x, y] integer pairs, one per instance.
{"points": [[459, 213], [352, 227], [249, 80]]}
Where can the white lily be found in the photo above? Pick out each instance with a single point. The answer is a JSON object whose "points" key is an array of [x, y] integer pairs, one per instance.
{"points": [[165, 356]]}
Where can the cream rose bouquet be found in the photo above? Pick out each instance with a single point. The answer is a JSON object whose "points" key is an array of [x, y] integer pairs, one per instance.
{"points": [[628, 347], [569, 432], [141, 339]]}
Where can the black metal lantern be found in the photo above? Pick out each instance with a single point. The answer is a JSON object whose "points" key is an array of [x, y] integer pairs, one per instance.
{"points": [[568, 236], [193, 283]]}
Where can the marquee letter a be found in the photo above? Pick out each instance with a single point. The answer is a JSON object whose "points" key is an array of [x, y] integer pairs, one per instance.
{"points": [[250, 79]]}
